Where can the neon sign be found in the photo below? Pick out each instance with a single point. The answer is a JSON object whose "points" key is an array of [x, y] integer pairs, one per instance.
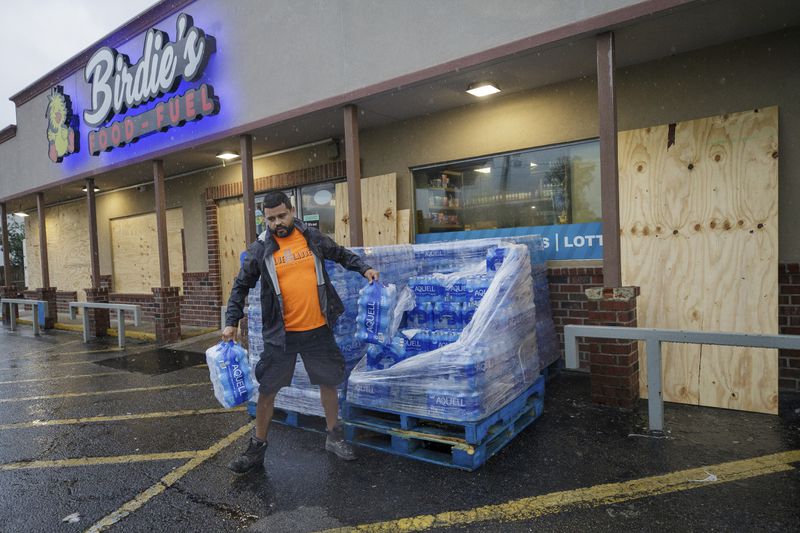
{"points": [[117, 86]]}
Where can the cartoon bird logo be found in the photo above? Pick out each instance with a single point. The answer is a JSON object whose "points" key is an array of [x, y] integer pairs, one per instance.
{"points": [[61, 128]]}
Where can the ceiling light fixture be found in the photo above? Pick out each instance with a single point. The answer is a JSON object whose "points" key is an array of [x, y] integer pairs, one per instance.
{"points": [[533, 164], [96, 189], [227, 155], [21, 214], [484, 170], [484, 88], [533, 207]]}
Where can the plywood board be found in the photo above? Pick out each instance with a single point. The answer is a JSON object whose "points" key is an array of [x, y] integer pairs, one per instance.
{"points": [[379, 209], [231, 241], [134, 252], [67, 248], [342, 210], [699, 235], [404, 226]]}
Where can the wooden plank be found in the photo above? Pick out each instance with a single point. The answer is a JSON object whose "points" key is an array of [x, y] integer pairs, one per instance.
{"points": [[404, 226], [68, 244], [699, 236], [379, 209], [231, 241], [342, 226], [134, 251]]}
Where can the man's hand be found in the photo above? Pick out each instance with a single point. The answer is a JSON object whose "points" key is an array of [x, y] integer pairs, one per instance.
{"points": [[371, 275], [229, 333]]}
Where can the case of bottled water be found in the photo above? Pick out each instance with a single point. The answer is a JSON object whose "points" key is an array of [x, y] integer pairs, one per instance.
{"points": [[482, 349], [230, 373]]}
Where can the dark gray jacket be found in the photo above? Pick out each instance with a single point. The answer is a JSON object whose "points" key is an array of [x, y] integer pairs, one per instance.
{"points": [[259, 264]]}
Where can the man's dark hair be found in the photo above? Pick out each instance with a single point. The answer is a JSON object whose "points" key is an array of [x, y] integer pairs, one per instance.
{"points": [[276, 198]]}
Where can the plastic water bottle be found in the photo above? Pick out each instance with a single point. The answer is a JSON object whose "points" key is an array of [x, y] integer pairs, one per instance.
{"points": [[426, 288], [457, 292], [454, 404], [447, 315], [421, 317], [230, 373], [494, 258], [375, 307]]}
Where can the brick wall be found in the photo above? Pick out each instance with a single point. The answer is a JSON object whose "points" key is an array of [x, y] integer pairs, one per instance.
{"points": [[201, 300], [568, 299], [106, 282], [789, 324], [143, 300], [63, 298]]}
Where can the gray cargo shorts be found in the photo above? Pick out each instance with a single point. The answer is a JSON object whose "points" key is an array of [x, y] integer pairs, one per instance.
{"points": [[322, 359]]}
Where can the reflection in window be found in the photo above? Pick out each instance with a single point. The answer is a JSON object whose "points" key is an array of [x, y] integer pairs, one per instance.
{"points": [[538, 187]]}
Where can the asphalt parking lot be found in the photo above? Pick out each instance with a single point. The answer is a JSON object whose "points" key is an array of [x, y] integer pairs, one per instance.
{"points": [[134, 440]]}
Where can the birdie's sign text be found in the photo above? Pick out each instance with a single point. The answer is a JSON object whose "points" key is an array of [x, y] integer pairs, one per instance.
{"points": [[118, 87], [194, 104]]}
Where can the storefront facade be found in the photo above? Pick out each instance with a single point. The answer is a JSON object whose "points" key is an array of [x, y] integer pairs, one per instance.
{"points": [[285, 86]]}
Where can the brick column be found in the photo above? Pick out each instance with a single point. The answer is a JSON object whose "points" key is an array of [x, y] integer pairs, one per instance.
{"points": [[9, 291], [49, 295], [789, 324], [614, 364], [99, 320], [167, 314]]}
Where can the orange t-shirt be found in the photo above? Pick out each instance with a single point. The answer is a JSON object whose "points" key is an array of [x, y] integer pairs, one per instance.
{"points": [[297, 277]]}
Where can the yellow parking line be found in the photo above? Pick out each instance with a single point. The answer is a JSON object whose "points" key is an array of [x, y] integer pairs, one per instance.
{"points": [[167, 481], [117, 418], [96, 375], [99, 393], [93, 461], [595, 496]]}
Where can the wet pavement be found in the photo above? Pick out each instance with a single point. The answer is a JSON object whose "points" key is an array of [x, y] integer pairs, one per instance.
{"points": [[134, 440]]}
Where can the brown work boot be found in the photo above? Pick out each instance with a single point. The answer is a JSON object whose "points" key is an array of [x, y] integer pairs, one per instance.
{"points": [[336, 444], [251, 458]]}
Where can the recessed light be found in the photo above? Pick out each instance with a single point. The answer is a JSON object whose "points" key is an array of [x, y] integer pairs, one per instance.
{"points": [[227, 155], [96, 189], [484, 170], [482, 89]]}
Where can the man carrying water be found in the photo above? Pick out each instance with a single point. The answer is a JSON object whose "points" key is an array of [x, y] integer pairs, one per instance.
{"points": [[299, 307]]}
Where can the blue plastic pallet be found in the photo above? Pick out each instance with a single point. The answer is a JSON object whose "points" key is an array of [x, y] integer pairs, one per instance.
{"points": [[553, 369], [470, 432], [442, 450]]}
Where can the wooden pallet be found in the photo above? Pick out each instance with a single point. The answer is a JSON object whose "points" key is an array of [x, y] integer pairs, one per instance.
{"points": [[443, 450]]}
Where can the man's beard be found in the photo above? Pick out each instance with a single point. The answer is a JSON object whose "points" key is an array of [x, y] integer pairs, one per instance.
{"points": [[283, 231]]}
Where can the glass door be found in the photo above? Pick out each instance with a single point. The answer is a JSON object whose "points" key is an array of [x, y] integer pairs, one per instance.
{"points": [[319, 207]]}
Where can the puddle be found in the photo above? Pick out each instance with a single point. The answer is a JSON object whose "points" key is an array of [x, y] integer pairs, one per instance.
{"points": [[158, 361]]}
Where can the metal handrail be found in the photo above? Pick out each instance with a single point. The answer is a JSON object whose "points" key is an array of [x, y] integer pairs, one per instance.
{"points": [[653, 339], [14, 303], [119, 308]]}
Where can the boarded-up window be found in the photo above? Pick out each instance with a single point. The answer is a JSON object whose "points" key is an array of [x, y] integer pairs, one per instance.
{"points": [[67, 248], [134, 250], [699, 227]]}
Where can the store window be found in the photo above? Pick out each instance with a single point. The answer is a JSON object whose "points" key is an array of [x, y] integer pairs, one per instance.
{"points": [[316, 207], [537, 187]]}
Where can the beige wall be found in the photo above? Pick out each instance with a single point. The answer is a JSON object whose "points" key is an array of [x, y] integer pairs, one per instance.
{"points": [[757, 72], [189, 192]]}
